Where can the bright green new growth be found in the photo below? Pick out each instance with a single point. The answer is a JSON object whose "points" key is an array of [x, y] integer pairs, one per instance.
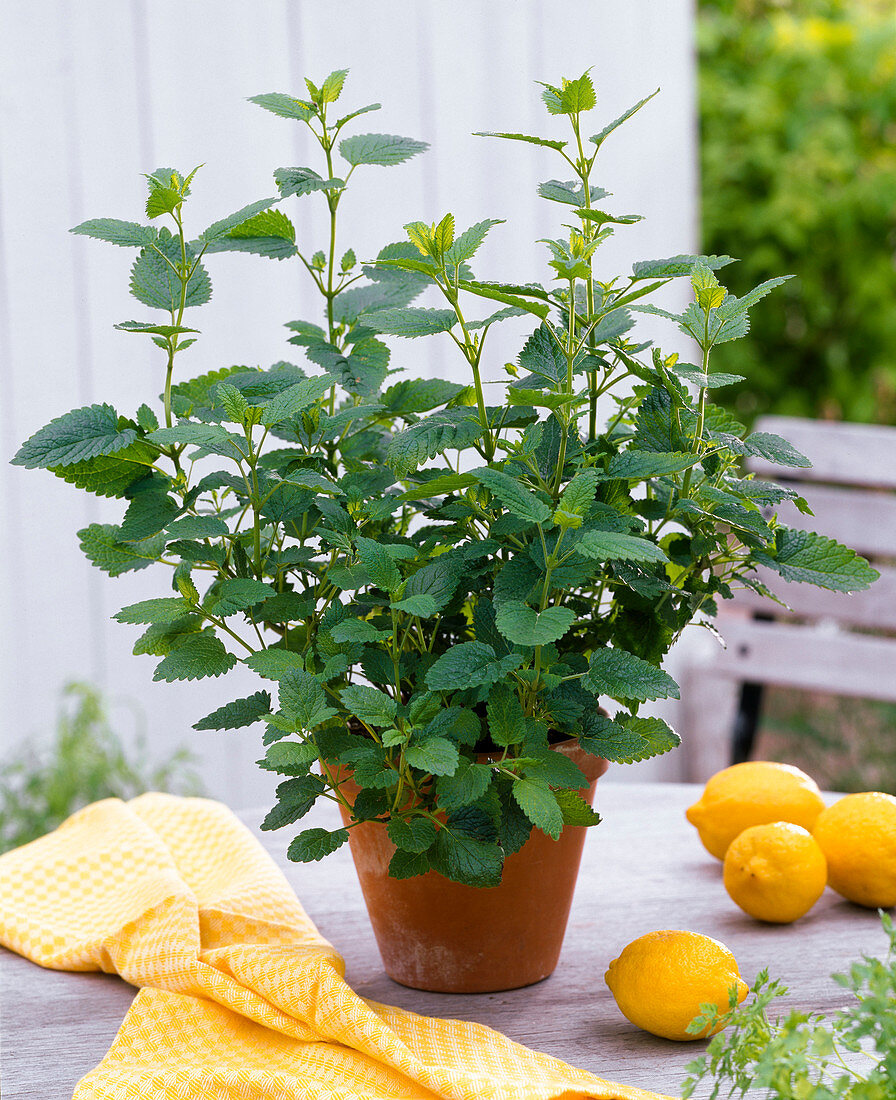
{"points": [[848, 1056], [421, 573]]}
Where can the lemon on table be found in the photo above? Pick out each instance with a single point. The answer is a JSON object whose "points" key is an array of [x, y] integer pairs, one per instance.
{"points": [[775, 872], [754, 793], [858, 837], [661, 979]]}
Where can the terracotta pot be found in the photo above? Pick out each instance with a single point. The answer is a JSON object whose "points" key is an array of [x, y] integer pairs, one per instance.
{"points": [[442, 936]]}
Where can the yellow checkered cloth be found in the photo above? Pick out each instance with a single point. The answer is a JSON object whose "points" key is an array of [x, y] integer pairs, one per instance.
{"points": [[241, 996]]}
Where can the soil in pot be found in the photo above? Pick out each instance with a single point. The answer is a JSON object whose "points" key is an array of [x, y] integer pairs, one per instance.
{"points": [[446, 937]]}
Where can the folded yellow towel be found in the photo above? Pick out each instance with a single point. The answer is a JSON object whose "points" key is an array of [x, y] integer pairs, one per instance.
{"points": [[241, 996]]}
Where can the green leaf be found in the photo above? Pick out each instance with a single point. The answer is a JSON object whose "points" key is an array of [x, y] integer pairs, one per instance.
{"points": [[424, 607], [408, 864], [465, 859], [385, 149], [575, 809], [109, 476], [535, 798], [438, 579], [236, 715], [284, 105], [640, 465], [450, 428], [506, 718], [193, 657], [467, 244], [126, 234], [274, 664], [379, 565], [467, 784], [411, 321], [288, 757], [570, 192], [295, 799], [542, 357], [775, 449], [571, 98], [210, 437], [291, 401], [676, 265], [622, 675], [469, 664], [617, 546], [150, 510], [331, 89], [77, 436], [413, 834], [155, 282], [547, 142], [239, 593], [101, 545], [577, 498], [313, 844], [358, 630], [165, 609], [302, 699], [225, 225], [599, 138], [153, 330], [522, 625], [815, 559], [197, 527], [628, 740], [417, 395], [302, 181], [371, 706], [513, 495], [495, 292], [435, 756]]}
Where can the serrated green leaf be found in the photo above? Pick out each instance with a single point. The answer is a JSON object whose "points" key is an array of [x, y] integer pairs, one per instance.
{"points": [[506, 718], [411, 321], [676, 265], [437, 579], [165, 609], [495, 292], [150, 510], [435, 756], [537, 801], [379, 565], [467, 784], [408, 864], [295, 799], [465, 859], [288, 757], [371, 706], [284, 105], [112, 475], [424, 607], [193, 657], [575, 809], [468, 243], [617, 546], [236, 715], [571, 98], [413, 834], [775, 449], [331, 88], [300, 396], [153, 329], [302, 181], [358, 630], [225, 225], [577, 498], [622, 675], [239, 593], [815, 559], [155, 281], [469, 664], [101, 545], [302, 699], [210, 437], [198, 527], [640, 465], [383, 149], [600, 137], [77, 436], [432, 436], [274, 664], [418, 395], [570, 192], [547, 142], [522, 625], [314, 844], [126, 234], [515, 497]]}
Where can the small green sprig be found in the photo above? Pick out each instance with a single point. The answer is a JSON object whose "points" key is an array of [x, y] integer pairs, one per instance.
{"points": [[806, 1056]]}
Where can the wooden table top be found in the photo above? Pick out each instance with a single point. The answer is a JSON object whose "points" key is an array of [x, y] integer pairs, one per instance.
{"points": [[643, 869]]}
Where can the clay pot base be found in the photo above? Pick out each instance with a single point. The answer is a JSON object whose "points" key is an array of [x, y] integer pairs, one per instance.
{"points": [[444, 937]]}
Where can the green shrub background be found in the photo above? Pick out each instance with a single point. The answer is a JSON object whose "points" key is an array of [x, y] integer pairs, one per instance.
{"points": [[798, 136]]}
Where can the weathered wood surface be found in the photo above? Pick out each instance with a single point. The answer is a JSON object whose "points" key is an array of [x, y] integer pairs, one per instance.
{"points": [[850, 454], [643, 869]]}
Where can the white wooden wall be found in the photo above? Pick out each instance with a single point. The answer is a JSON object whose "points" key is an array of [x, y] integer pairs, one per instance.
{"points": [[95, 92]]}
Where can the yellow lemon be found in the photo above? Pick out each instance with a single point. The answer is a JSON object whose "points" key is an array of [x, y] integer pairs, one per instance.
{"points": [[660, 981], [858, 837], [755, 793], [775, 872]]}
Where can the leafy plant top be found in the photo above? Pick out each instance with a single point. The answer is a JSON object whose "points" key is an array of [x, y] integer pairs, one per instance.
{"points": [[437, 585]]}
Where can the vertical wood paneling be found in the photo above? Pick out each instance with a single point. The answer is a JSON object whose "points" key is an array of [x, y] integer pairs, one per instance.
{"points": [[93, 94]]}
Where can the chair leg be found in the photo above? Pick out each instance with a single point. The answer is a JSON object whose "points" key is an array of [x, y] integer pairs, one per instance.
{"points": [[746, 722]]}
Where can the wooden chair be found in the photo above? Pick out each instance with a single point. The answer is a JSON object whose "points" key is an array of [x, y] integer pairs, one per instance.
{"points": [[829, 642]]}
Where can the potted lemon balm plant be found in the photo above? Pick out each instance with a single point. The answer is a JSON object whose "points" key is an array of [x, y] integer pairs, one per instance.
{"points": [[456, 602]]}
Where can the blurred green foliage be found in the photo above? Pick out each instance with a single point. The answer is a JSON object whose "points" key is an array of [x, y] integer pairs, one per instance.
{"points": [[42, 784], [798, 117]]}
